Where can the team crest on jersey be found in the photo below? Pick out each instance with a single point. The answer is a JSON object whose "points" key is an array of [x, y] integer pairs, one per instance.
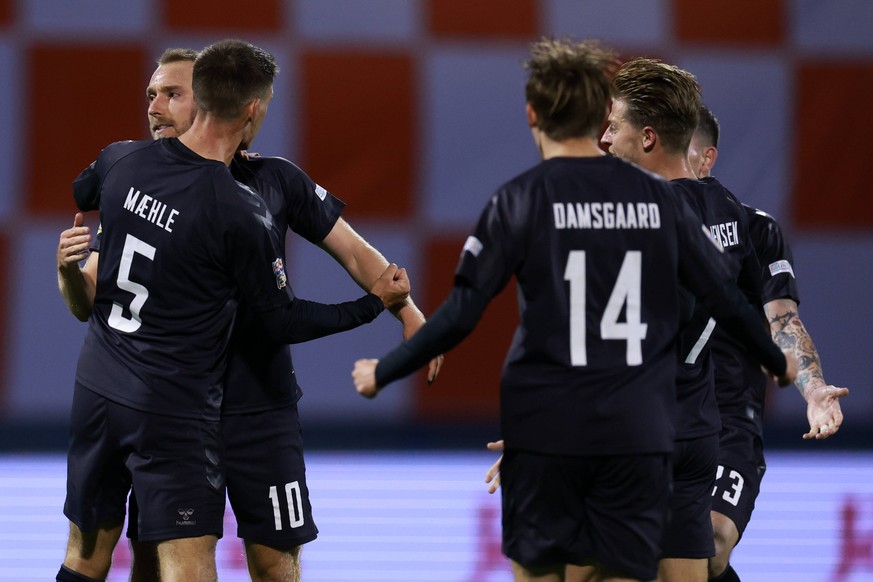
{"points": [[781, 267], [279, 272], [473, 245], [711, 236]]}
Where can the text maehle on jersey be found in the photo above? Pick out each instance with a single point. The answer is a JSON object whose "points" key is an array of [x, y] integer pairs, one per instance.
{"points": [[725, 233], [606, 215], [150, 209]]}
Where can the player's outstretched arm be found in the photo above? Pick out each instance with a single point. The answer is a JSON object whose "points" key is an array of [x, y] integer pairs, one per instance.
{"points": [[77, 285], [823, 409], [365, 264]]}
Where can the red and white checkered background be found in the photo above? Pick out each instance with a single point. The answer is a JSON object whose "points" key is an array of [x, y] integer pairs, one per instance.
{"points": [[412, 112]]}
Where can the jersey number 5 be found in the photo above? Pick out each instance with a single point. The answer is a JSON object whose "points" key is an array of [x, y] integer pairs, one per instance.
{"points": [[626, 292], [132, 245]]}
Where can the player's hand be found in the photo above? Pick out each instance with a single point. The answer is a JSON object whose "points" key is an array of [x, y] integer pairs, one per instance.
{"points": [[410, 326], [74, 244], [392, 286], [492, 476], [364, 376], [790, 370], [434, 367], [823, 411]]}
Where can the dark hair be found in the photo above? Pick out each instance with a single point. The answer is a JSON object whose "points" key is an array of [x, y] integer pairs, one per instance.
{"points": [[568, 87], [175, 55], [661, 96], [708, 126], [229, 74]]}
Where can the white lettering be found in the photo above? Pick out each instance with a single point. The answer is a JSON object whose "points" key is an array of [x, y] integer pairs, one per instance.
{"points": [[609, 215], [596, 208], [130, 202], [560, 215], [606, 215], [150, 209], [571, 217], [655, 215], [171, 219]]}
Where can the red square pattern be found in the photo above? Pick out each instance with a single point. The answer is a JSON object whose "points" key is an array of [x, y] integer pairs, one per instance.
{"points": [[359, 129], [735, 22], [229, 15], [468, 386], [517, 19], [6, 15], [70, 121], [830, 183]]}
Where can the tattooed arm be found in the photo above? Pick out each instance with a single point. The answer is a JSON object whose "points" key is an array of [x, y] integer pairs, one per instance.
{"points": [[822, 400]]}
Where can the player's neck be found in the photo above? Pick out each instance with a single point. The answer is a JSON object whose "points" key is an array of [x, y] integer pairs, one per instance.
{"points": [[213, 139], [582, 147], [671, 167]]}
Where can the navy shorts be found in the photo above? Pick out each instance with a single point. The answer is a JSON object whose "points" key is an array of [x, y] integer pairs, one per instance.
{"points": [[739, 474], [607, 510], [173, 463], [266, 478], [689, 529]]}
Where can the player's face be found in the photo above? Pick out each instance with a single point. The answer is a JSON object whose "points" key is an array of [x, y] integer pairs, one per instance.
{"points": [[623, 139], [171, 99], [695, 157], [257, 122]]}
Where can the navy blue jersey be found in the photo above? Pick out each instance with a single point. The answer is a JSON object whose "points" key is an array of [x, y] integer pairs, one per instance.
{"points": [[182, 242], [599, 249], [741, 401], [260, 373], [594, 244], [724, 217]]}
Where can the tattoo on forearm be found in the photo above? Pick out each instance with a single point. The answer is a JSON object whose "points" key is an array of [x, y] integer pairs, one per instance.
{"points": [[789, 333]]}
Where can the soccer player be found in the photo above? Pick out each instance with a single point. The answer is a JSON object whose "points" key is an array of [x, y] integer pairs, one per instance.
{"points": [[260, 423], [184, 243], [655, 110], [599, 249], [740, 384]]}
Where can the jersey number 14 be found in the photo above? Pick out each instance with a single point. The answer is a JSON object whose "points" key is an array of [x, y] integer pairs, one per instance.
{"points": [[626, 293]]}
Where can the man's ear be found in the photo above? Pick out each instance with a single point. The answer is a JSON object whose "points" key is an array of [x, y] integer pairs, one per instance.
{"points": [[531, 115], [649, 138], [251, 108], [710, 154]]}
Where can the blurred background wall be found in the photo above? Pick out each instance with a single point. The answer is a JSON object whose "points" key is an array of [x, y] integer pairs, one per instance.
{"points": [[412, 111]]}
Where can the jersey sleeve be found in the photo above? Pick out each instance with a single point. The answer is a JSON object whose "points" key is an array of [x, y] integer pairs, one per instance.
{"points": [[86, 188], [312, 211], [776, 260], [492, 253], [254, 253], [450, 324], [701, 271]]}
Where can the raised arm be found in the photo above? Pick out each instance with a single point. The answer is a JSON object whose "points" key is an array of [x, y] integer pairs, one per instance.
{"points": [[823, 409], [365, 264], [300, 320], [77, 285]]}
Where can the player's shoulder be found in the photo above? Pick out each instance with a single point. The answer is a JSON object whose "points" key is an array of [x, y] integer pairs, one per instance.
{"points": [[120, 149], [758, 215], [714, 187], [275, 164]]}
